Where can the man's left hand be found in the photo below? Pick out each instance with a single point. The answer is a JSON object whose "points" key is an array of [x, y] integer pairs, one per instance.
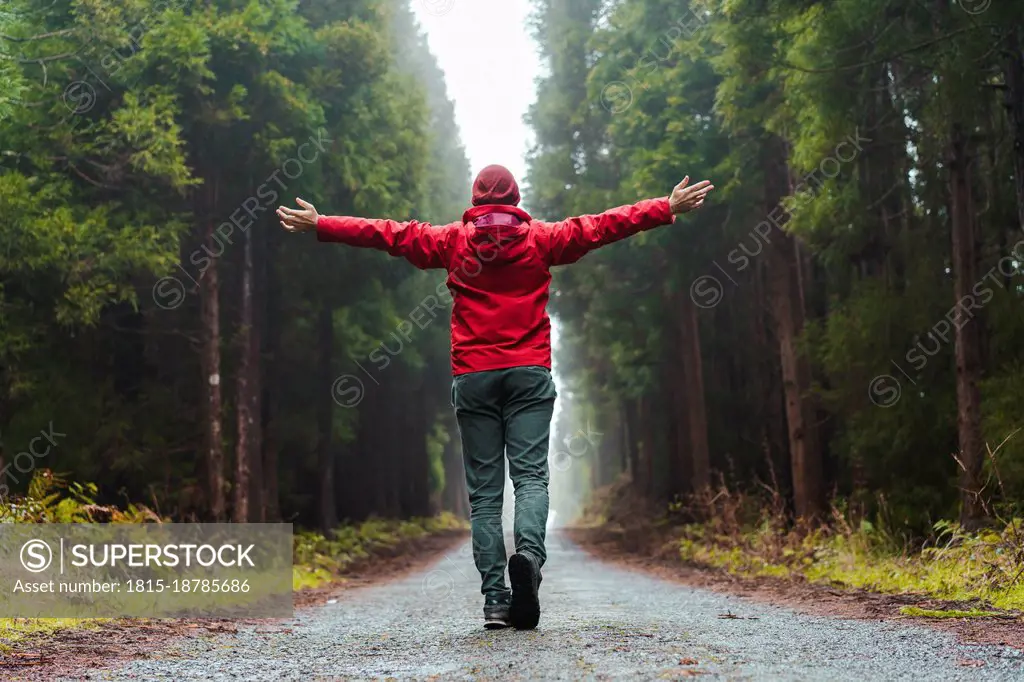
{"points": [[298, 220]]}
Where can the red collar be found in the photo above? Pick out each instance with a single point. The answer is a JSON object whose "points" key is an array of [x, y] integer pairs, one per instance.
{"points": [[475, 212]]}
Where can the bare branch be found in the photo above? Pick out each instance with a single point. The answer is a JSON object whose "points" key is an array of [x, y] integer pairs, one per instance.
{"points": [[88, 179], [42, 36], [38, 60]]}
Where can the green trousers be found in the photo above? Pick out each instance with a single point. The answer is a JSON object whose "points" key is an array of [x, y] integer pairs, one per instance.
{"points": [[505, 412]]}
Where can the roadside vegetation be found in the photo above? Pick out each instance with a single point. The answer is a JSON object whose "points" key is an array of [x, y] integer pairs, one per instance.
{"points": [[318, 560], [752, 535]]}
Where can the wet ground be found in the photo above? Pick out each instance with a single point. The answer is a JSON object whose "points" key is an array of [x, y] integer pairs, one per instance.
{"points": [[599, 621]]}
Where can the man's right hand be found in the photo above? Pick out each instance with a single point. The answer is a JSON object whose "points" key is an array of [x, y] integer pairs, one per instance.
{"points": [[686, 197]]}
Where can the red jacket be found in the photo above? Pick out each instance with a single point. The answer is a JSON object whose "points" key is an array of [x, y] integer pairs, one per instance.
{"points": [[498, 260]]}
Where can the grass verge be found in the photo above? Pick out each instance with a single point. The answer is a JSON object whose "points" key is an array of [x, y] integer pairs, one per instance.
{"points": [[320, 560], [917, 612], [752, 536], [14, 631], [960, 567]]}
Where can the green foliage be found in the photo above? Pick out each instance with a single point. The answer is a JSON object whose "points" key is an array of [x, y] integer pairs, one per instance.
{"points": [[916, 612], [982, 568], [1005, 468], [320, 559], [52, 499], [15, 631]]}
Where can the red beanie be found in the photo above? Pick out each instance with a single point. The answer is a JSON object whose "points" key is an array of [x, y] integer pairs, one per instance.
{"points": [[495, 185]]}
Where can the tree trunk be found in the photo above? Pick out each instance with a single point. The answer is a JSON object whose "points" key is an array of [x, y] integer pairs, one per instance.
{"points": [[631, 448], [246, 386], [1015, 111], [606, 463], [648, 440], [326, 510], [388, 457], [364, 453], [676, 396], [785, 285], [455, 497], [805, 457], [270, 331], [619, 451], [210, 316], [769, 396], [967, 334], [413, 483], [258, 505], [696, 411]]}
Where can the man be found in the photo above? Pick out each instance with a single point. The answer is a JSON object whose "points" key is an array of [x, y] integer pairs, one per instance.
{"points": [[498, 261]]}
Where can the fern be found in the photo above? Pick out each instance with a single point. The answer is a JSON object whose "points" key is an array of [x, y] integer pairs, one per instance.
{"points": [[52, 499]]}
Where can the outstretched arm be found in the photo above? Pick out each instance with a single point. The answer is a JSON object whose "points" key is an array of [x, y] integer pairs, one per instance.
{"points": [[571, 239], [423, 245]]}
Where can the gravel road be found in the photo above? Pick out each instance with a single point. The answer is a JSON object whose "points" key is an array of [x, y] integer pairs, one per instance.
{"points": [[598, 622]]}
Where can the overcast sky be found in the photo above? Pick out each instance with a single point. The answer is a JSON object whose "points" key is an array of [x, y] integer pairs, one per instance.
{"points": [[490, 64]]}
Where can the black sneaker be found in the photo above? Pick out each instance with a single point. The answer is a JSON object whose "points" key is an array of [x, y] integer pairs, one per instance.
{"points": [[525, 578], [496, 615]]}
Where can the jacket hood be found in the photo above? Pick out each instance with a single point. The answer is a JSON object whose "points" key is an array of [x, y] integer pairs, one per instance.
{"points": [[495, 185], [499, 234], [472, 214]]}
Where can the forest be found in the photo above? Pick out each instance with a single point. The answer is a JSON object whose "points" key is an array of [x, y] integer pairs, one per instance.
{"points": [[842, 323], [156, 324]]}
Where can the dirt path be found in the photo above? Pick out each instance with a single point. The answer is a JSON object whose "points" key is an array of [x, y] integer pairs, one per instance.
{"points": [[600, 621]]}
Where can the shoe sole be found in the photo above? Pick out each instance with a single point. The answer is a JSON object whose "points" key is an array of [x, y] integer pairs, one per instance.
{"points": [[496, 624], [525, 611]]}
